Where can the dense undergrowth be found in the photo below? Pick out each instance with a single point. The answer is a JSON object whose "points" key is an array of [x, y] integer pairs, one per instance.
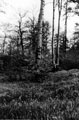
{"points": [[57, 98], [40, 96]]}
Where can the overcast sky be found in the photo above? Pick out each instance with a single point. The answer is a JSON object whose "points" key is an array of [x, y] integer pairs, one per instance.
{"points": [[12, 7]]}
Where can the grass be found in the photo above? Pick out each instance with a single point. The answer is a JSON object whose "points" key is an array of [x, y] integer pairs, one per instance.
{"points": [[57, 98]]}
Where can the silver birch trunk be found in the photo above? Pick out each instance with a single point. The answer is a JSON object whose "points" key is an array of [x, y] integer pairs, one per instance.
{"points": [[66, 25], [57, 51], [40, 19], [53, 22]]}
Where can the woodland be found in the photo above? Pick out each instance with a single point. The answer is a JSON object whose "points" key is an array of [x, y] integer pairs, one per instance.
{"points": [[39, 69]]}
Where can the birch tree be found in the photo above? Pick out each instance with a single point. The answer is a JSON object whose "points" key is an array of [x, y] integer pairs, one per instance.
{"points": [[53, 52], [59, 16], [66, 25], [40, 20]]}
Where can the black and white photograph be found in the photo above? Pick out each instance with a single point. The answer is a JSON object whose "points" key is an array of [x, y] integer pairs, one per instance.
{"points": [[39, 59]]}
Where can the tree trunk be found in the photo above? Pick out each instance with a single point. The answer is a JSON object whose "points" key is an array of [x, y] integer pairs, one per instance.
{"points": [[4, 44], [17, 45], [53, 51], [66, 27], [57, 51], [22, 46], [40, 20], [21, 39], [10, 52]]}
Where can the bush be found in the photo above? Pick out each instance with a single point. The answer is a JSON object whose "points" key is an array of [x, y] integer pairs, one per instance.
{"points": [[69, 64]]}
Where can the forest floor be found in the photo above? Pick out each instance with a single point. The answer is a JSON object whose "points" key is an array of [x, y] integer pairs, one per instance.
{"points": [[57, 98]]}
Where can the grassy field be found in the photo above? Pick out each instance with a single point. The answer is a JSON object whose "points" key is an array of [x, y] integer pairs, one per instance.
{"points": [[57, 98]]}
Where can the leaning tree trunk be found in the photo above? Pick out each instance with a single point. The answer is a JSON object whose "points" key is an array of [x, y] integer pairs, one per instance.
{"points": [[53, 51], [58, 36], [66, 27], [40, 19]]}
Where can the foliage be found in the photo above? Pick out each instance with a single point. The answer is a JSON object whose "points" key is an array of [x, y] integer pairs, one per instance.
{"points": [[56, 98]]}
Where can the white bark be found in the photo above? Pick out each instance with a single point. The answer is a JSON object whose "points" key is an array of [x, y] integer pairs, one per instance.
{"points": [[40, 19], [53, 22], [59, 17]]}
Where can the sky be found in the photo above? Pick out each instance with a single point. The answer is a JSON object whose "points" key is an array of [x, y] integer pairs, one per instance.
{"points": [[12, 7]]}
